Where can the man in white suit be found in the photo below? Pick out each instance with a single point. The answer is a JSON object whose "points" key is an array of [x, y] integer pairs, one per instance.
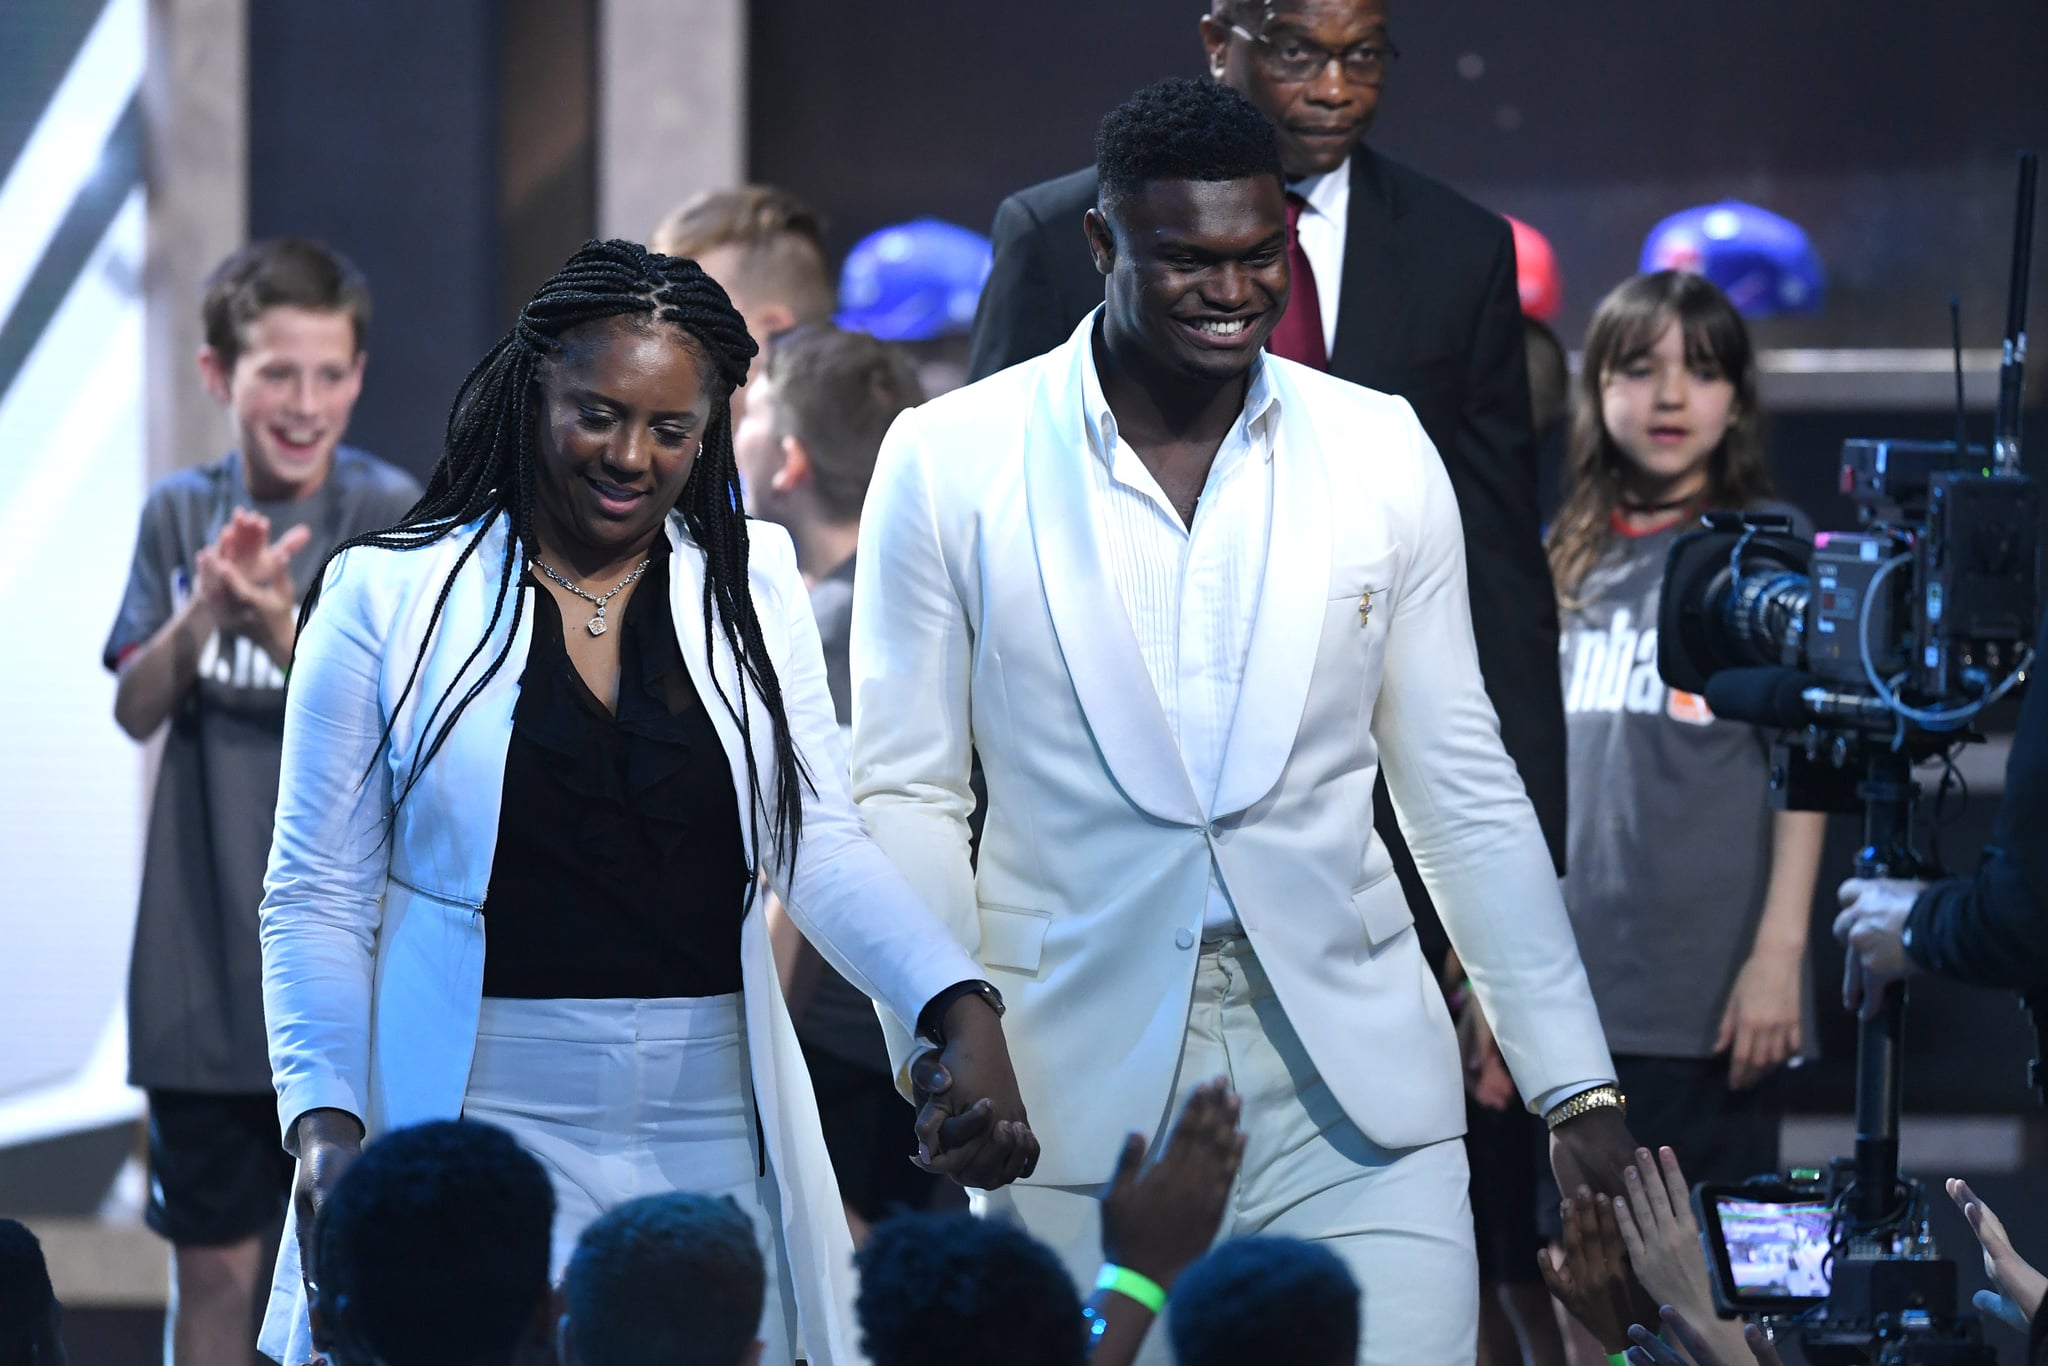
{"points": [[1184, 599]]}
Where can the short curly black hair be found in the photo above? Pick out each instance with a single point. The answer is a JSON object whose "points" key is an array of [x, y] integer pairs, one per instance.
{"points": [[1182, 129], [433, 1249], [675, 1279], [1235, 1304], [940, 1289]]}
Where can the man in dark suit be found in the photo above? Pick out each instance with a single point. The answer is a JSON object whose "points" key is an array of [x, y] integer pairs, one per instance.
{"points": [[1409, 289]]}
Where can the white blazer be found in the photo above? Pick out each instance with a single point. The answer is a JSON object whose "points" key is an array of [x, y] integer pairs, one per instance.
{"points": [[986, 618], [373, 937]]}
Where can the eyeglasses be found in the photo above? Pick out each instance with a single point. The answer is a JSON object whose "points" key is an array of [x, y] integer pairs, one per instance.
{"points": [[1294, 60]]}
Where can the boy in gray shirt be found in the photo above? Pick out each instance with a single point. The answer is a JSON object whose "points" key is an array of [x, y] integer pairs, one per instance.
{"points": [[203, 642]]}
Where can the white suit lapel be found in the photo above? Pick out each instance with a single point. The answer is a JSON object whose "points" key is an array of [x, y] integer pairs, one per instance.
{"points": [[1101, 654], [1288, 630]]}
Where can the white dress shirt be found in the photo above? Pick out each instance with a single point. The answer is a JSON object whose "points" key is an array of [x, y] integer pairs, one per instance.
{"points": [[1191, 591], [1320, 230]]}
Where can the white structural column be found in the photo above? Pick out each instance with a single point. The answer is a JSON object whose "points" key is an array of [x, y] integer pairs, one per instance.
{"points": [[196, 98], [672, 107]]}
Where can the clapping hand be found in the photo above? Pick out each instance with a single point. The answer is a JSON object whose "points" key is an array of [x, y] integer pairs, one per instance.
{"points": [[245, 579], [2016, 1288], [1158, 1219], [971, 1123], [1663, 1242], [1646, 1349]]}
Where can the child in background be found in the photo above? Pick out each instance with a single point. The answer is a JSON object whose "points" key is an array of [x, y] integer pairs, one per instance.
{"points": [[203, 641], [1691, 897]]}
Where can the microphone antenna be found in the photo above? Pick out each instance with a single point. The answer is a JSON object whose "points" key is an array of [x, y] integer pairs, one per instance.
{"points": [[2005, 437], [1955, 333]]}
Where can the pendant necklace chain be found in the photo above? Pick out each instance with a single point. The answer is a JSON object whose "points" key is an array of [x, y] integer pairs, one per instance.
{"points": [[596, 625]]}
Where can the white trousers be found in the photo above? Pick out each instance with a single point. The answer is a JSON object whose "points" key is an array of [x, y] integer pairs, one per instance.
{"points": [[1401, 1220], [624, 1098]]}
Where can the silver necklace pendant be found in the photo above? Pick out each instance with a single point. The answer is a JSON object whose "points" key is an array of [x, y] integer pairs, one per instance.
{"points": [[596, 624]]}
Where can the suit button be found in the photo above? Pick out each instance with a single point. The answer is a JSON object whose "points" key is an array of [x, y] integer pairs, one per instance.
{"points": [[1183, 939]]}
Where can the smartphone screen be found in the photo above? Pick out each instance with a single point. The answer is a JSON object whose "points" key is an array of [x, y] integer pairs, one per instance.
{"points": [[1776, 1249]]}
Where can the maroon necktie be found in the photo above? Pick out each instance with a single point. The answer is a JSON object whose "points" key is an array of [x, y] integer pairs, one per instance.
{"points": [[1299, 336]]}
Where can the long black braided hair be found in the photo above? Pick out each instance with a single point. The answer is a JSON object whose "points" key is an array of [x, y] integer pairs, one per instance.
{"points": [[488, 470]]}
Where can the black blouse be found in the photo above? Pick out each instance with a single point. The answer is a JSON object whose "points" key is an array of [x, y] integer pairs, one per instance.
{"points": [[620, 870]]}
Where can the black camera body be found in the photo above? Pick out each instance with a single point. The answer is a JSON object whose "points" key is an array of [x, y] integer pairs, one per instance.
{"points": [[1908, 625]]}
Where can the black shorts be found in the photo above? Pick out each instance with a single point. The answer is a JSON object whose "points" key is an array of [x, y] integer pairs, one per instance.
{"points": [[218, 1171], [1508, 1152]]}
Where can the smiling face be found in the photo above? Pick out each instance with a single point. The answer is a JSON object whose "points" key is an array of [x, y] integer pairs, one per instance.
{"points": [[1667, 413], [623, 409], [291, 389], [1197, 272], [1319, 120]]}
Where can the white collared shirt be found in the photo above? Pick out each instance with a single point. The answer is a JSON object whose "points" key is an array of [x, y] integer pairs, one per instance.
{"points": [[1320, 230], [1191, 592]]}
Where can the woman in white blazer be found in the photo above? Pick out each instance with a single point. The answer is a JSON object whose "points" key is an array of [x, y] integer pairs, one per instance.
{"points": [[567, 706]]}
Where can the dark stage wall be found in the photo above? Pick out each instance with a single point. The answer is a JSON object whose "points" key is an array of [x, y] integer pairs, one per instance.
{"points": [[1885, 128], [446, 148]]}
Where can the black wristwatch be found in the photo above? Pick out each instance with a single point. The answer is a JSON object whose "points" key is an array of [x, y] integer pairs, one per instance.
{"points": [[931, 1021]]}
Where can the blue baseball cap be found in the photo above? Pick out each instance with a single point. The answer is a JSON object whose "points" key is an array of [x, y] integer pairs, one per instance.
{"points": [[915, 281], [1764, 264]]}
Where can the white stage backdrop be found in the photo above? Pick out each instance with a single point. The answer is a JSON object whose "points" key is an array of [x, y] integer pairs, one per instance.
{"points": [[71, 481]]}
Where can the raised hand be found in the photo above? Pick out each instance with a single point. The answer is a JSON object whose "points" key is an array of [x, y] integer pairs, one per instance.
{"points": [[1589, 1274], [1663, 1242], [971, 1123], [1158, 1219], [1648, 1350], [2017, 1289]]}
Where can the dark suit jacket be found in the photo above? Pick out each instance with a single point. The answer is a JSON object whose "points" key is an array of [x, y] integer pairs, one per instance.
{"points": [[1428, 310]]}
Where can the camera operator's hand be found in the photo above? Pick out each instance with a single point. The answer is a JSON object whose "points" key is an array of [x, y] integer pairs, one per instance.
{"points": [[1872, 926], [2019, 1287]]}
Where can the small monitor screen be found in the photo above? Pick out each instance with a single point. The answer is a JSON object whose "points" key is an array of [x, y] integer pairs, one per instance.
{"points": [[1776, 1249]]}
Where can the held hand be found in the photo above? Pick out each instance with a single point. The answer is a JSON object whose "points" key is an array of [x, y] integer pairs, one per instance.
{"points": [[1872, 927], [1486, 1074], [2019, 1287], [1588, 1273], [973, 1127], [1157, 1220], [329, 1141], [1760, 1029], [1593, 1150]]}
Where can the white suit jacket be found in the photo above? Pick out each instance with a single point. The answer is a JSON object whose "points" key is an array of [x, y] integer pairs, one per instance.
{"points": [[987, 618], [373, 936]]}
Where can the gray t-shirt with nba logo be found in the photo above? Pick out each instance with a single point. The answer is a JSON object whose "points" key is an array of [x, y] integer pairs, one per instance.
{"points": [[195, 984], [1670, 830]]}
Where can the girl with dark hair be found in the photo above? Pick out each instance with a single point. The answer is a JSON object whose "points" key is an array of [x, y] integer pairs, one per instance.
{"points": [[1690, 897], [574, 704]]}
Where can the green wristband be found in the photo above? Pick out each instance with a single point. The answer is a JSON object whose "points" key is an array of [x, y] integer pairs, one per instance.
{"points": [[1132, 1285]]}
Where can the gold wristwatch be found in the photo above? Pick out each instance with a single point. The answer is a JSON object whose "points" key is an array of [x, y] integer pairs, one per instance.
{"points": [[1596, 1098]]}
